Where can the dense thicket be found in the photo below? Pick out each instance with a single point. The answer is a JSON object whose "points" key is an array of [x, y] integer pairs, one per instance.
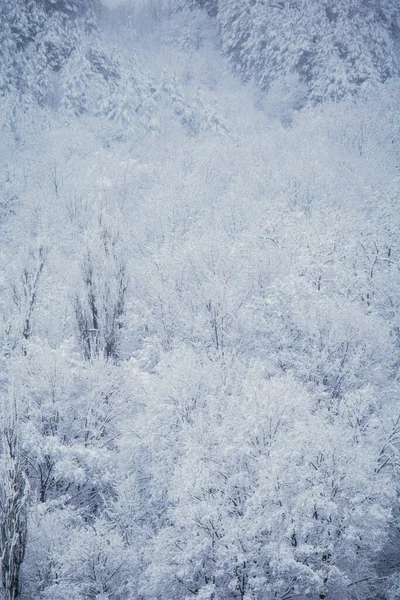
{"points": [[333, 49], [199, 301]]}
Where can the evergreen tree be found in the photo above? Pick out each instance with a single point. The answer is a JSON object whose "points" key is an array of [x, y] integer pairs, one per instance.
{"points": [[336, 50]]}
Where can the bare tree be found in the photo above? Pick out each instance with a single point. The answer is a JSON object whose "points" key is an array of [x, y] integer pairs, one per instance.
{"points": [[100, 307], [25, 291]]}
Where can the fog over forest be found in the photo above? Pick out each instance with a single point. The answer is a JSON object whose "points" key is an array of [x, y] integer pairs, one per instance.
{"points": [[200, 299]]}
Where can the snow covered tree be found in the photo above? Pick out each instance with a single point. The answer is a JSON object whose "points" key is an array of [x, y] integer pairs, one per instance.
{"points": [[257, 506], [70, 414], [336, 51], [75, 82], [129, 100], [181, 107], [38, 37], [13, 503], [24, 291], [211, 6], [100, 306], [94, 564]]}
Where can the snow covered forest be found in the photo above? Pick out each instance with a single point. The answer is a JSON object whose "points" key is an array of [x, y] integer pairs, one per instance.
{"points": [[200, 299]]}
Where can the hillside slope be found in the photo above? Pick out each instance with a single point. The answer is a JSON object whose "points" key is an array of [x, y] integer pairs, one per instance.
{"points": [[199, 308]]}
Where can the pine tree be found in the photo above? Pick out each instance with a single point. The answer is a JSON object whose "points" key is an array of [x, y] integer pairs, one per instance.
{"points": [[75, 81], [336, 50]]}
